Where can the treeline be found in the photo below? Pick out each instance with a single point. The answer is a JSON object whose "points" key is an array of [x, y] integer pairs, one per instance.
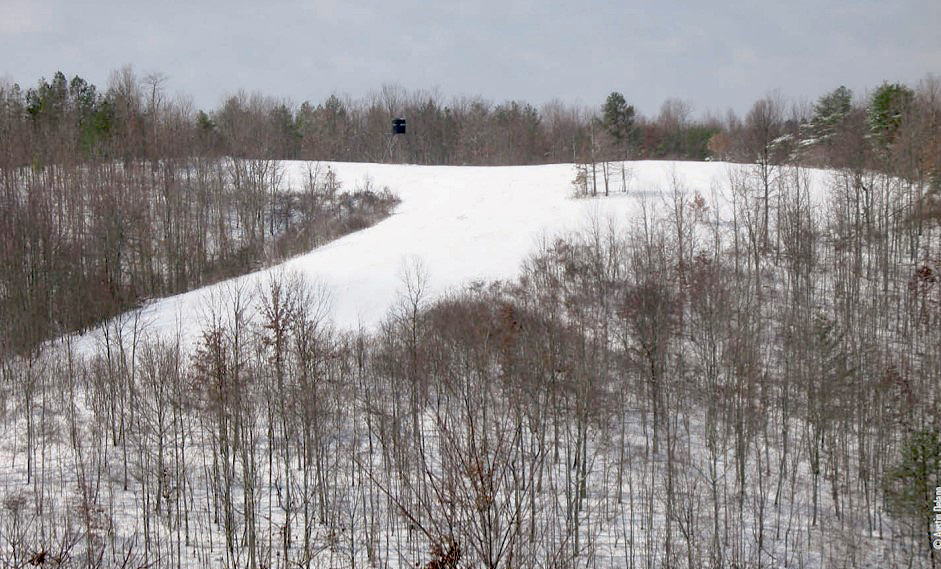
{"points": [[895, 127], [69, 119], [895, 130], [110, 199], [697, 389]]}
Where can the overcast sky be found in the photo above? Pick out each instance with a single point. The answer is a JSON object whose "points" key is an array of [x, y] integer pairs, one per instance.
{"points": [[714, 55]]}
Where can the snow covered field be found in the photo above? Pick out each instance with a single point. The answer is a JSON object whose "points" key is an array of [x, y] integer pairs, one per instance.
{"points": [[463, 224]]}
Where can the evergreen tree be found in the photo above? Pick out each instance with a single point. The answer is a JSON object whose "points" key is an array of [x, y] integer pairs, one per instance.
{"points": [[909, 487], [890, 103], [617, 119], [830, 111]]}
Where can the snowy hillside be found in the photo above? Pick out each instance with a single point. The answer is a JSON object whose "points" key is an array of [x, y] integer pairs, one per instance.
{"points": [[463, 224], [717, 383]]}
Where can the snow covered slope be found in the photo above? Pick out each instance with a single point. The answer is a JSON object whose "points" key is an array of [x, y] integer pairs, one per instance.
{"points": [[463, 223]]}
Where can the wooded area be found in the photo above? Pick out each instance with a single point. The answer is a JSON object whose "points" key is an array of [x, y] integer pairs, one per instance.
{"points": [[692, 389], [109, 200]]}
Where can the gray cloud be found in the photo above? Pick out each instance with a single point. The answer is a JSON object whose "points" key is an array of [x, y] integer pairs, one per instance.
{"points": [[714, 56]]}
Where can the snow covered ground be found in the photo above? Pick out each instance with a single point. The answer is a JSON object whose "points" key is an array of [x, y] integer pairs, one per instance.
{"points": [[463, 224]]}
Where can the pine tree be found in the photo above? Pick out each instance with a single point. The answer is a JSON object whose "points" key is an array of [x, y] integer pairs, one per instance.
{"points": [[830, 111], [618, 119], [888, 107], [909, 487]]}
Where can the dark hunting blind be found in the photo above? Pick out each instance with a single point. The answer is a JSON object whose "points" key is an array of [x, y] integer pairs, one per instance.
{"points": [[398, 126]]}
